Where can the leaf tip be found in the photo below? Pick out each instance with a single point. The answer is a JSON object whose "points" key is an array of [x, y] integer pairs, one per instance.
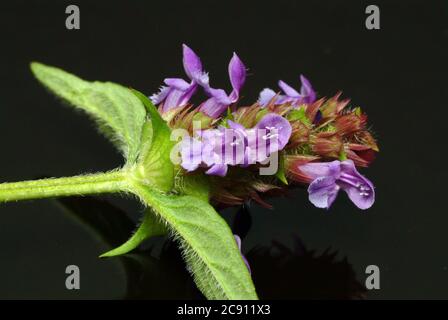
{"points": [[34, 66], [107, 254]]}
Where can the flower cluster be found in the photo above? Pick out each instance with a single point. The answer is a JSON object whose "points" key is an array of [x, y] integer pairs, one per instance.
{"points": [[319, 142], [219, 148], [177, 92]]}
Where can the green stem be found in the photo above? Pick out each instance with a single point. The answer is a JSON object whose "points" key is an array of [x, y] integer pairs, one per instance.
{"points": [[109, 182]]}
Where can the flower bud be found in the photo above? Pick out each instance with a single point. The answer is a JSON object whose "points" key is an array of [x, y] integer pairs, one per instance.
{"points": [[327, 144], [333, 106], [349, 123]]}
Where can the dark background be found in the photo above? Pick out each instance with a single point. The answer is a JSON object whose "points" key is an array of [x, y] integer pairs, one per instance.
{"points": [[397, 74]]}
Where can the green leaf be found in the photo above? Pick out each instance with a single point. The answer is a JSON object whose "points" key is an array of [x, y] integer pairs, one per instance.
{"points": [[209, 246], [197, 185], [150, 227], [154, 164], [119, 113]]}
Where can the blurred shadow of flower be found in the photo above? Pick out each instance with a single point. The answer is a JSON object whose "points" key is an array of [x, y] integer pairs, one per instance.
{"points": [[278, 271], [299, 273]]}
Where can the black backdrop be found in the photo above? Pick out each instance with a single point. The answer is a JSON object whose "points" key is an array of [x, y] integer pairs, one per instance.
{"points": [[397, 74]]}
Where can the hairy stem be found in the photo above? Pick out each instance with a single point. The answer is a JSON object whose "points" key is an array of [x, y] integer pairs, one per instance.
{"points": [[108, 182]]}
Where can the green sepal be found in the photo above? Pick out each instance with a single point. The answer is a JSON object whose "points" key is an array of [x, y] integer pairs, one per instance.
{"points": [[357, 111], [280, 174], [261, 114], [299, 115], [342, 155], [154, 166], [204, 120]]}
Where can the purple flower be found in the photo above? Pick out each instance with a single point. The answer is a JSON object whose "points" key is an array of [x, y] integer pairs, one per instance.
{"points": [[219, 101], [215, 148], [270, 134], [278, 130], [177, 92], [306, 96], [330, 177], [219, 148], [225, 148], [191, 153], [238, 243]]}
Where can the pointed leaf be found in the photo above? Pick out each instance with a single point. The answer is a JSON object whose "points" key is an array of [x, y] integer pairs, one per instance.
{"points": [[210, 249], [149, 227], [119, 113]]}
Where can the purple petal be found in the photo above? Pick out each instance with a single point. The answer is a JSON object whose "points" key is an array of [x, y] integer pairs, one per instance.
{"points": [[176, 83], [234, 146], [257, 149], [192, 63], [236, 126], [212, 108], [280, 127], [237, 75], [172, 100], [158, 97], [176, 93], [266, 95], [188, 94], [219, 100], [238, 243], [288, 90], [319, 169], [323, 191], [191, 153], [217, 170], [212, 140], [177, 98], [307, 91], [220, 96], [216, 104], [358, 188], [202, 80]]}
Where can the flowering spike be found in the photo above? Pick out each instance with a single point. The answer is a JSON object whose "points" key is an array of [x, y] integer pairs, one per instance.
{"points": [[293, 125]]}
